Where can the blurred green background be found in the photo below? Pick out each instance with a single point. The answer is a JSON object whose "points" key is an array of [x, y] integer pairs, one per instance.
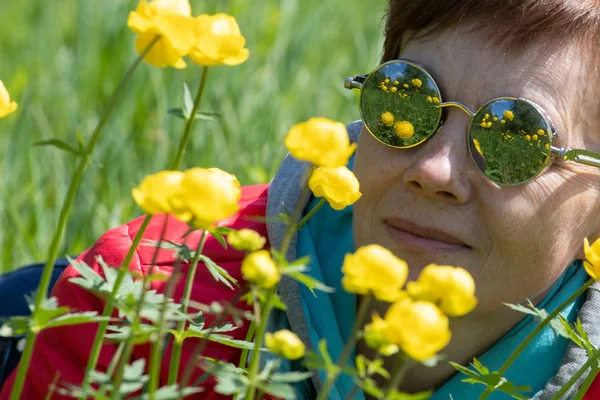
{"points": [[61, 62]]}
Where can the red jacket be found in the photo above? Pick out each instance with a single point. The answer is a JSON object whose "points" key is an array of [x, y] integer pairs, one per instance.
{"points": [[65, 350]]}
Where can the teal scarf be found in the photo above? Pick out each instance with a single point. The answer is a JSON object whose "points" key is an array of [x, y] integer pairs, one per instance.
{"points": [[327, 237]]}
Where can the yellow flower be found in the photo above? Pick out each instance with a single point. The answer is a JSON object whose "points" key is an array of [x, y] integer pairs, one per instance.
{"points": [[384, 88], [387, 118], [246, 240], [417, 82], [6, 106], [404, 129], [375, 335], [592, 258], [509, 115], [387, 80], [396, 82], [452, 289], [320, 141], [534, 137], [171, 21], [435, 100], [429, 99], [338, 186], [394, 89], [486, 116], [547, 146], [419, 328], [154, 193], [503, 122], [374, 269], [405, 86], [259, 268], [219, 41], [286, 344], [528, 138], [541, 132], [495, 119], [206, 196], [477, 146]]}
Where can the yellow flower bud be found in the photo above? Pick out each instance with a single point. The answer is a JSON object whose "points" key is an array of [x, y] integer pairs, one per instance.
{"points": [[477, 146], [320, 141], [154, 193], [528, 138], [171, 22], [592, 258], [495, 119], [541, 132], [375, 335], [436, 100], [429, 99], [404, 129], [259, 268], [503, 122], [394, 89], [535, 137], [417, 83], [384, 88], [375, 270], [6, 106], [206, 196], [547, 146], [285, 344], [487, 116], [396, 82], [405, 86], [338, 186], [387, 118], [509, 115], [419, 328], [387, 80], [219, 41], [246, 240], [452, 289]]}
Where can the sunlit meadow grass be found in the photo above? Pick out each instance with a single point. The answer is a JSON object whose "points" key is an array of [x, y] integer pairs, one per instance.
{"points": [[62, 60]]}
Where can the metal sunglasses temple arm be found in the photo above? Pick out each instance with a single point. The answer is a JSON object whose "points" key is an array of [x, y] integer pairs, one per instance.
{"points": [[578, 155], [356, 82]]}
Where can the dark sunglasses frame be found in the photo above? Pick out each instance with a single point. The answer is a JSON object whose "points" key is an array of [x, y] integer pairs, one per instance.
{"points": [[580, 156]]}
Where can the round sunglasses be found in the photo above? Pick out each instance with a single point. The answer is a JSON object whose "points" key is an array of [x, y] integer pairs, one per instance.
{"points": [[509, 139]]}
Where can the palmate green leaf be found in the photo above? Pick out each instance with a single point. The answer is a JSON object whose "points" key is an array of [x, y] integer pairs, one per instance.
{"points": [[219, 338], [76, 319], [15, 326], [89, 279], [367, 368], [229, 379], [587, 345], [171, 392], [143, 333], [218, 273], [59, 144], [182, 251]]}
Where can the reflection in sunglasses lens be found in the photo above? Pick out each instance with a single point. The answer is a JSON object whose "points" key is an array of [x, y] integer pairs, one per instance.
{"points": [[399, 104], [509, 141]]}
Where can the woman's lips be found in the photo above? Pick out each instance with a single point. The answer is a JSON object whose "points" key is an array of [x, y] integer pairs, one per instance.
{"points": [[431, 240]]}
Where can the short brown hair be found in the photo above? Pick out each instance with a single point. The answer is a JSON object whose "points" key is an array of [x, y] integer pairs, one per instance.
{"points": [[515, 23]]}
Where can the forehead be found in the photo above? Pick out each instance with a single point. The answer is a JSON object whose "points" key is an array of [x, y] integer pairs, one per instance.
{"points": [[470, 69]]}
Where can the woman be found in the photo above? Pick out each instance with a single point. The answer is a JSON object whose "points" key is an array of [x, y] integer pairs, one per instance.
{"points": [[429, 197]]}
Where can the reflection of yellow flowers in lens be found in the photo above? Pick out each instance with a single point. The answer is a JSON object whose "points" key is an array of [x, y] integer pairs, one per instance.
{"points": [[259, 268], [486, 124], [528, 138], [405, 86], [541, 132], [338, 186], [509, 115], [535, 137], [417, 83], [286, 344], [6, 106], [320, 141], [384, 88], [547, 146], [393, 89], [387, 81], [486, 116], [171, 22], [503, 122], [404, 129], [219, 41], [396, 82], [592, 258], [450, 288], [387, 118], [374, 270], [495, 119], [435, 100], [477, 146], [419, 328], [429, 99]]}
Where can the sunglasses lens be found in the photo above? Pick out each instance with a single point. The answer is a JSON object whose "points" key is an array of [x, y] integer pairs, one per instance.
{"points": [[509, 141], [398, 104]]}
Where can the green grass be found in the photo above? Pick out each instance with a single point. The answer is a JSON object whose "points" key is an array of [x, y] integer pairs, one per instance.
{"points": [[61, 62]]}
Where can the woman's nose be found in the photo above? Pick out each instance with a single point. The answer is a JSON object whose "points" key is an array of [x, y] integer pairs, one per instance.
{"points": [[440, 167]]}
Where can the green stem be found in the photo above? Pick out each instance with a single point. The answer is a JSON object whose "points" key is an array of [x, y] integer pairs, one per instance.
{"points": [[535, 332], [588, 381], [42, 291], [187, 132], [178, 342], [249, 334], [350, 344], [575, 378], [400, 369], [258, 340], [310, 214], [291, 227]]}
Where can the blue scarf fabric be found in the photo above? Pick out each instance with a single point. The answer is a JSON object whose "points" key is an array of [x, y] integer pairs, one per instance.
{"points": [[327, 238]]}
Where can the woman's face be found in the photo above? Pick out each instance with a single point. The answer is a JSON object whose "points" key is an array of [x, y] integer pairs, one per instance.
{"points": [[516, 240]]}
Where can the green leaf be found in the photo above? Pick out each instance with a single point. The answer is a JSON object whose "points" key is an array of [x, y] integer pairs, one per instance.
{"points": [[59, 144], [219, 232], [396, 395], [170, 393], [207, 115], [177, 112], [188, 101], [310, 282], [492, 380], [15, 326], [76, 319], [218, 273], [280, 390], [522, 309], [289, 377]]}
